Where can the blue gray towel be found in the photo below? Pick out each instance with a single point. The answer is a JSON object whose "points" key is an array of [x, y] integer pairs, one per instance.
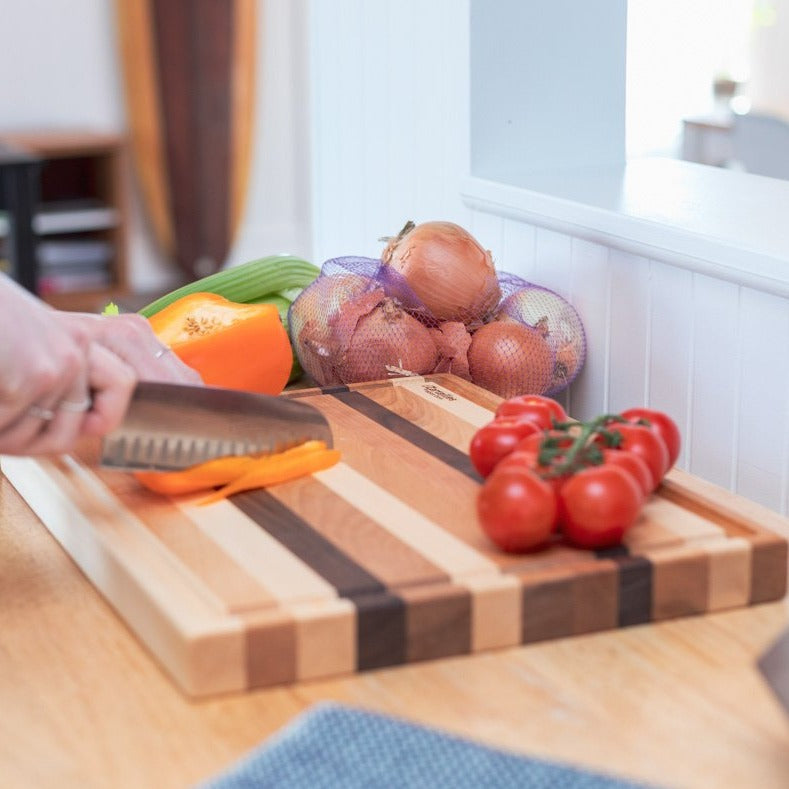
{"points": [[332, 746]]}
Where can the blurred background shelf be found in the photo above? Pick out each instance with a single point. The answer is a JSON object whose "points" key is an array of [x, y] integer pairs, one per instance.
{"points": [[64, 229]]}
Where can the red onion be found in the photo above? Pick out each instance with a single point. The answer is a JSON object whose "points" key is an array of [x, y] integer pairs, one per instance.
{"points": [[386, 341], [453, 341]]}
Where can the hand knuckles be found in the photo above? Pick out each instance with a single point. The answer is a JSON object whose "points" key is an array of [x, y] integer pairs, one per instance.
{"points": [[136, 325]]}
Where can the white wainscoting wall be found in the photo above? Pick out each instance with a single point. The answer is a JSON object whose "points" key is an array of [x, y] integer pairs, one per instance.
{"points": [[390, 142]]}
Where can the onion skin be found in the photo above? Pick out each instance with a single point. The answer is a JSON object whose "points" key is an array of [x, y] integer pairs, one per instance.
{"points": [[448, 270], [314, 313], [557, 320], [510, 359], [387, 340], [453, 341]]}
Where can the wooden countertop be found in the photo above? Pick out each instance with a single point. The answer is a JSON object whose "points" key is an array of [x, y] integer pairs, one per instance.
{"points": [[678, 703]]}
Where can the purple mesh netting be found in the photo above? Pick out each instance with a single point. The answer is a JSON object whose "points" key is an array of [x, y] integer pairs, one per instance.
{"points": [[360, 321]]}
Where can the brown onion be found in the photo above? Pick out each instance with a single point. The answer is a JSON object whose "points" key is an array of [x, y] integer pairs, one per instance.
{"points": [[510, 359], [387, 341], [453, 341], [447, 269], [557, 320]]}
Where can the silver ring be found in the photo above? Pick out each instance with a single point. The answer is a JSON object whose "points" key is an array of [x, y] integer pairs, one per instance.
{"points": [[77, 407], [41, 413], [161, 352]]}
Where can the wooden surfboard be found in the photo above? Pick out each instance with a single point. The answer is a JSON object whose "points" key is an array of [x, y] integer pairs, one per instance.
{"points": [[380, 561], [189, 75]]}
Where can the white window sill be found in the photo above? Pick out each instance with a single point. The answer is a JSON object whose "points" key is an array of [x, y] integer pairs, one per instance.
{"points": [[722, 223]]}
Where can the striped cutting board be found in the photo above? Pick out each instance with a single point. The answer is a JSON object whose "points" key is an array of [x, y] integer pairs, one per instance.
{"points": [[379, 560]]}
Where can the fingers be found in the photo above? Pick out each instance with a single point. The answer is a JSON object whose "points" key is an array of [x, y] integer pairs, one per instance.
{"points": [[60, 419], [30, 420], [130, 337], [52, 424], [111, 382], [92, 404]]}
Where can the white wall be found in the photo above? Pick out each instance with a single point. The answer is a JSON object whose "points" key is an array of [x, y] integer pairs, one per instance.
{"points": [[384, 132], [390, 131], [61, 69]]}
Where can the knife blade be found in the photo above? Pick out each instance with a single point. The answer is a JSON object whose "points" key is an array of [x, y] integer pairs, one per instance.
{"points": [[169, 427]]}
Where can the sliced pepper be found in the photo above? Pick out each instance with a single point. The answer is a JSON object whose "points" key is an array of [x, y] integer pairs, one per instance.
{"points": [[274, 469], [291, 463], [201, 477], [236, 346]]}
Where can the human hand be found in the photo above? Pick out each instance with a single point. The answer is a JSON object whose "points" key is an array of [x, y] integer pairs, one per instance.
{"points": [[130, 337], [65, 375], [45, 376]]}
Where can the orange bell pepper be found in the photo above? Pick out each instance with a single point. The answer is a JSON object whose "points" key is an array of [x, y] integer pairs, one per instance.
{"points": [[236, 346]]}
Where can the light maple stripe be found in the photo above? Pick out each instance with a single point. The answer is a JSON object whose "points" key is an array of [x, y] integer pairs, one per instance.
{"points": [[730, 563], [168, 608], [286, 577], [325, 638], [418, 532], [447, 399]]}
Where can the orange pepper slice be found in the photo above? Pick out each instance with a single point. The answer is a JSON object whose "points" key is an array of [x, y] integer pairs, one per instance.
{"points": [[235, 346], [205, 475], [222, 471], [275, 469]]}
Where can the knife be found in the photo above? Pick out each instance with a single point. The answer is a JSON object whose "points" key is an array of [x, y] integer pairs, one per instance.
{"points": [[168, 427]]}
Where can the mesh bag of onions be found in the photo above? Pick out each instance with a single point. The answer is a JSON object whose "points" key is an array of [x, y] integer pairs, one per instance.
{"points": [[435, 303]]}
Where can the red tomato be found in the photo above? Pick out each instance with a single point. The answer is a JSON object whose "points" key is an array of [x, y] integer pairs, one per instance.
{"points": [[663, 425], [534, 440], [598, 505], [632, 463], [538, 407], [519, 458], [528, 458], [496, 440], [516, 509], [648, 445]]}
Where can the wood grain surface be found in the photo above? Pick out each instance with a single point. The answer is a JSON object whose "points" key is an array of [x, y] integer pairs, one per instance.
{"points": [[677, 703], [379, 560]]}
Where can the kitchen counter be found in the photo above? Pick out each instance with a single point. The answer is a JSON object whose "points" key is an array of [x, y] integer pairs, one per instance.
{"points": [[678, 703]]}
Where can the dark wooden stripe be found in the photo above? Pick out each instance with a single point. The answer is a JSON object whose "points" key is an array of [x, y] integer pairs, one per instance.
{"points": [[635, 589], [381, 633], [282, 523], [409, 431], [546, 609]]}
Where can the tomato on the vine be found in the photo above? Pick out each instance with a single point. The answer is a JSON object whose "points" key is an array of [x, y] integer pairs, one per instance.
{"points": [[632, 463], [645, 443], [496, 440], [544, 410], [521, 457], [661, 424], [517, 509], [534, 441], [597, 505]]}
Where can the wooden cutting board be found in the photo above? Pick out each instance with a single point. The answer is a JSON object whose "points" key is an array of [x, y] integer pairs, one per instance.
{"points": [[379, 560]]}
